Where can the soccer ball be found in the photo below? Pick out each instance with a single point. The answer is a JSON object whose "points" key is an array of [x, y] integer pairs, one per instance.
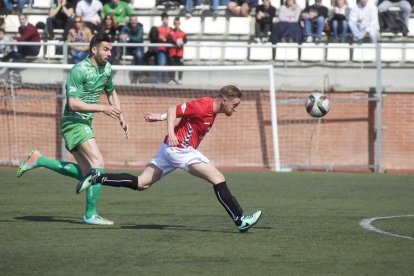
{"points": [[317, 105]]}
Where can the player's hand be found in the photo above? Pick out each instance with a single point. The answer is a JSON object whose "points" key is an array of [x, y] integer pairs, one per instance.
{"points": [[172, 140], [124, 125], [152, 117], [112, 111]]}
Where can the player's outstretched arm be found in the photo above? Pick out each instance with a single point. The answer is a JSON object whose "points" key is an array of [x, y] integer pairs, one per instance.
{"points": [[113, 100], [154, 117], [171, 116], [78, 105]]}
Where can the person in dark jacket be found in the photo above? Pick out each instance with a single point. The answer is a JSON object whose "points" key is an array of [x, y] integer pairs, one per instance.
{"points": [[264, 21], [315, 14]]}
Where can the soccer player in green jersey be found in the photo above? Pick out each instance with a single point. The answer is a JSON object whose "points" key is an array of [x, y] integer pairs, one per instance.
{"points": [[86, 80]]}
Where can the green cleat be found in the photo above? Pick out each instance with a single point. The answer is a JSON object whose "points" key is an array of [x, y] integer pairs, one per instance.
{"points": [[29, 164], [97, 220], [87, 181], [248, 221]]}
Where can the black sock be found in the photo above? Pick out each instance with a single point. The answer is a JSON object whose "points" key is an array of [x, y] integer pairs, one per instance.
{"points": [[118, 180], [228, 201]]}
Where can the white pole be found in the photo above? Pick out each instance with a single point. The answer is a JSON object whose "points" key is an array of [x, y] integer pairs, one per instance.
{"points": [[275, 136]]}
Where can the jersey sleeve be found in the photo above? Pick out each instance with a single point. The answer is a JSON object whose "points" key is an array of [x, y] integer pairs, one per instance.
{"points": [[190, 109], [75, 82], [109, 87]]}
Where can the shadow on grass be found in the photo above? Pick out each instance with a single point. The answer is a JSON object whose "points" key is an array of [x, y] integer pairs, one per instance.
{"points": [[171, 227], [49, 219]]}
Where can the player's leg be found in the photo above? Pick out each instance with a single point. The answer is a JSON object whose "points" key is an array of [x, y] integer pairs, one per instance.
{"points": [[211, 174], [35, 159], [149, 176], [159, 166], [89, 156]]}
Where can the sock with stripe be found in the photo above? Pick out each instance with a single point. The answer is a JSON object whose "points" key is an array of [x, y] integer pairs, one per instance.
{"points": [[92, 196], [125, 180], [228, 201]]}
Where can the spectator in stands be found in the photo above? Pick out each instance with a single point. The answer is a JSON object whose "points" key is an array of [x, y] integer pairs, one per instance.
{"points": [[363, 21], [79, 33], [162, 51], [150, 56], [8, 5], [120, 10], [133, 32], [61, 16], [314, 16], [404, 5], [264, 21], [6, 49], [338, 19], [288, 28], [213, 6], [27, 33], [109, 27], [241, 7], [176, 54], [89, 11]]}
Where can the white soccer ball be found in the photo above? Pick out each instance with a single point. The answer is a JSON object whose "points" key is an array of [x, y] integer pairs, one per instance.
{"points": [[317, 105]]}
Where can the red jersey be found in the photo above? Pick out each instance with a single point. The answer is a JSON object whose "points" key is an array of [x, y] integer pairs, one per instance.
{"points": [[176, 34], [197, 118]]}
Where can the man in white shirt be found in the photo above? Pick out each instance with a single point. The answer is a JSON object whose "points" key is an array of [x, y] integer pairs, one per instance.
{"points": [[89, 11], [363, 21]]}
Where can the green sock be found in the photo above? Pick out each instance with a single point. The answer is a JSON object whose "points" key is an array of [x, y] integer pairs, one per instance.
{"points": [[92, 196], [66, 168]]}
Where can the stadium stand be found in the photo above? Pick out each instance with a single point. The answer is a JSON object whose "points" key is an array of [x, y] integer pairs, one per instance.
{"points": [[285, 52], [337, 54], [366, 53], [312, 52], [261, 53], [232, 53], [392, 54], [409, 53]]}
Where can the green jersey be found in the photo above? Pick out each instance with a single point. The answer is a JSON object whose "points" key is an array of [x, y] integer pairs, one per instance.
{"points": [[86, 82]]}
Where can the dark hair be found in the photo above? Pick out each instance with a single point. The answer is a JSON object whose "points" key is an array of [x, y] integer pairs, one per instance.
{"points": [[153, 34], [97, 39], [164, 14], [177, 19], [2, 30]]}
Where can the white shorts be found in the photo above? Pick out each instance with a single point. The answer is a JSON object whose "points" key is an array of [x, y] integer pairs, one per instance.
{"points": [[169, 158]]}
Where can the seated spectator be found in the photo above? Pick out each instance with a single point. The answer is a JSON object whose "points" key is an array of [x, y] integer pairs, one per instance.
{"points": [[89, 11], [338, 19], [176, 54], [264, 21], [363, 22], [404, 5], [61, 16], [79, 33], [108, 26], [27, 33], [133, 32], [314, 16], [120, 11], [8, 5], [150, 56], [213, 6], [288, 28], [241, 7], [6, 49], [162, 52]]}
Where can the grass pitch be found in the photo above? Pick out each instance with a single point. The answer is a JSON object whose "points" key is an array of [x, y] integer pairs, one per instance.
{"points": [[310, 226]]}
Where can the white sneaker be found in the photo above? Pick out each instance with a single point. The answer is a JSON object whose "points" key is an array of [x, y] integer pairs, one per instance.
{"points": [[97, 220], [309, 39], [248, 221]]}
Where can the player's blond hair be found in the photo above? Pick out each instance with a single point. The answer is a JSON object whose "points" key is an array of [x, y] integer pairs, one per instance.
{"points": [[230, 92]]}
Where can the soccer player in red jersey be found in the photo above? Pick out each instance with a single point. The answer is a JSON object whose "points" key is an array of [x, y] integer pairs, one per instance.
{"points": [[179, 150]]}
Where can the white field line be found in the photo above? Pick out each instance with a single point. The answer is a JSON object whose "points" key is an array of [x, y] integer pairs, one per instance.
{"points": [[366, 224]]}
